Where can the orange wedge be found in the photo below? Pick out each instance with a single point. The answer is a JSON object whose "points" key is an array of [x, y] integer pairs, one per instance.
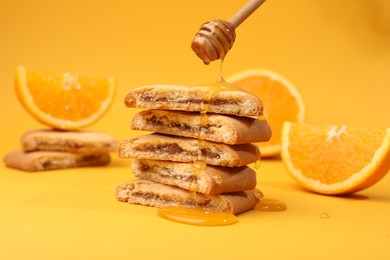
{"points": [[282, 102], [64, 101], [330, 159]]}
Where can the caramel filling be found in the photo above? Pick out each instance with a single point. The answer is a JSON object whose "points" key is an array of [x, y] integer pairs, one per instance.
{"points": [[174, 148], [164, 121]]}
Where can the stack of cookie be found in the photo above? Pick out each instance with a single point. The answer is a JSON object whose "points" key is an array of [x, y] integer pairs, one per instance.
{"points": [[199, 151], [43, 150]]}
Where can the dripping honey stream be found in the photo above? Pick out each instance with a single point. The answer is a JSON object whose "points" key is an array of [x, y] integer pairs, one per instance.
{"points": [[195, 216]]}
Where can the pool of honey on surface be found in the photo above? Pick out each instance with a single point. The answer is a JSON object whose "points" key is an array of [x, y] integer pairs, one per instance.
{"points": [[199, 217], [267, 204]]}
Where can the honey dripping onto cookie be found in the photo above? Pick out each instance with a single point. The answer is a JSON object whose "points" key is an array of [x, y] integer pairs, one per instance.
{"points": [[220, 86], [196, 216], [200, 163]]}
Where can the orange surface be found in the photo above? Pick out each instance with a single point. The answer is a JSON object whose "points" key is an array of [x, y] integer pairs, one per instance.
{"points": [[335, 52]]}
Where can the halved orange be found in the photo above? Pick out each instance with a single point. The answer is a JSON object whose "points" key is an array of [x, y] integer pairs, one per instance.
{"points": [[331, 159], [64, 101], [281, 100]]}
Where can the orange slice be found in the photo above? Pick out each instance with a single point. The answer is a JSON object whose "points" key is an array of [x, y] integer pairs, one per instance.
{"points": [[332, 159], [280, 98], [64, 101]]}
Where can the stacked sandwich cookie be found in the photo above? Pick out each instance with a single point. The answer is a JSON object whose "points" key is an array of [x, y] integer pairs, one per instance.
{"points": [[199, 151], [43, 150]]}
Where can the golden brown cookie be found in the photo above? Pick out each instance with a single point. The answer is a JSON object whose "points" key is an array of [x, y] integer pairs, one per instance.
{"points": [[210, 180], [182, 149], [43, 161], [211, 127], [198, 98], [159, 195], [68, 141]]}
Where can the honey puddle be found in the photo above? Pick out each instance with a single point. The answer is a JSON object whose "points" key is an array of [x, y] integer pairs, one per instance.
{"points": [[197, 217], [267, 204]]}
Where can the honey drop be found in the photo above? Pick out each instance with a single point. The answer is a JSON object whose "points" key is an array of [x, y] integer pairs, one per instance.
{"points": [[258, 194], [257, 164], [195, 216], [217, 178], [266, 204], [324, 215]]}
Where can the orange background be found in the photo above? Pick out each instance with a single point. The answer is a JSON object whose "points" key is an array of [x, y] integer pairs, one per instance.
{"points": [[337, 54]]}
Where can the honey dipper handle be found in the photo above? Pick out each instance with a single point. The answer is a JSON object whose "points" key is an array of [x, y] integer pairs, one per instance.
{"points": [[245, 12]]}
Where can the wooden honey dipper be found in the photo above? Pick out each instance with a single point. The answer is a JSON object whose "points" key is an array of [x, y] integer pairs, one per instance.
{"points": [[216, 37]]}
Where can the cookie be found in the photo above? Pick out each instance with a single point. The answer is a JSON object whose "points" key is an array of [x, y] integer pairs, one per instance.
{"points": [[198, 98], [212, 127], [210, 180], [182, 149], [149, 193], [43, 161], [68, 141]]}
